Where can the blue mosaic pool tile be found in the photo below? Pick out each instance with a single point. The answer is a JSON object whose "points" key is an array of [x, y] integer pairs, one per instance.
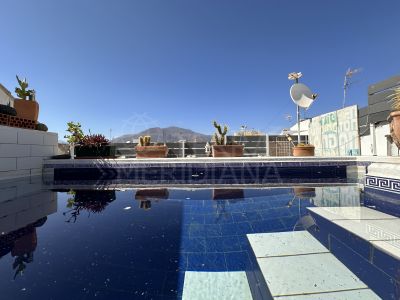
{"points": [[237, 261], [243, 241], [183, 262], [172, 285], [228, 229], [206, 262], [213, 230], [387, 262], [246, 216], [272, 225], [243, 228], [193, 219], [221, 218], [208, 209], [235, 207], [376, 279], [222, 244], [189, 244], [197, 230]]}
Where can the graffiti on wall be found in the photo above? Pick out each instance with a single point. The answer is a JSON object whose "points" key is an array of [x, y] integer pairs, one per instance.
{"points": [[336, 133]]}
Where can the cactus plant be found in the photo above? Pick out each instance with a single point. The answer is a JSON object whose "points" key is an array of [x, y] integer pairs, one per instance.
{"points": [[220, 134], [22, 91], [144, 140]]}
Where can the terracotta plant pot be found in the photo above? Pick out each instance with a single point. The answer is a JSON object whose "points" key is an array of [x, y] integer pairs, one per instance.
{"points": [[151, 151], [227, 150], [306, 150], [27, 109], [394, 119]]}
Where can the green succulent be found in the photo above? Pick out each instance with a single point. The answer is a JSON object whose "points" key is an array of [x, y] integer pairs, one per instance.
{"points": [[22, 91]]}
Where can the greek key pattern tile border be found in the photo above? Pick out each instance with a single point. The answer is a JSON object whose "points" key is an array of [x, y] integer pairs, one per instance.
{"points": [[383, 184]]}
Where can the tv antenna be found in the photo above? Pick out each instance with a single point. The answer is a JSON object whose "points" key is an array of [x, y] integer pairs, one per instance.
{"points": [[301, 96], [347, 82]]}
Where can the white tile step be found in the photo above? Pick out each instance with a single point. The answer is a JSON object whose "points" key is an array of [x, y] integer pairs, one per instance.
{"points": [[296, 266], [216, 286], [350, 213], [380, 229]]}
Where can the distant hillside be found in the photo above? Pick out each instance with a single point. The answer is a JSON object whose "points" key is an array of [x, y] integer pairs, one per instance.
{"points": [[169, 134]]}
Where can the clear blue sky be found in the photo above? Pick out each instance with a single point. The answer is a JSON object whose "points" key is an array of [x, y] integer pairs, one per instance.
{"points": [[128, 64]]}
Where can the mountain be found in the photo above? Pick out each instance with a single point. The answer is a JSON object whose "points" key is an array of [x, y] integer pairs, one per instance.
{"points": [[168, 134]]}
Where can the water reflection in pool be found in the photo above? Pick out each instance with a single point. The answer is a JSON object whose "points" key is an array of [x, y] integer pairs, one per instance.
{"points": [[137, 243]]}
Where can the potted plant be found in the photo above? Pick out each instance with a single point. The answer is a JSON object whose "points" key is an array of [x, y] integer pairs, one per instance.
{"points": [[26, 106], [88, 146], [394, 117], [145, 150], [303, 150], [223, 148], [94, 146], [75, 137]]}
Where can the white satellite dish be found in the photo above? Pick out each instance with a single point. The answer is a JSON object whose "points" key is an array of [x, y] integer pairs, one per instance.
{"points": [[302, 95]]}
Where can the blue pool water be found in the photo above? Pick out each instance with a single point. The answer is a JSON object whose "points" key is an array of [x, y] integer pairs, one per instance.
{"points": [[138, 243]]}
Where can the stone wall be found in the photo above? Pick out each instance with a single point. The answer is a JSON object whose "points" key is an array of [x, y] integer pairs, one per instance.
{"points": [[22, 151]]}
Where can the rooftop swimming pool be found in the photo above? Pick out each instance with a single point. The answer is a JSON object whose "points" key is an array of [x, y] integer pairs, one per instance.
{"points": [[174, 242]]}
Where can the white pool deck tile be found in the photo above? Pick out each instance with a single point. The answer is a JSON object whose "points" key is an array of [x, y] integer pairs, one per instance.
{"points": [[381, 230], [296, 266], [216, 286], [390, 247], [372, 230], [361, 294], [350, 213], [284, 244], [307, 274]]}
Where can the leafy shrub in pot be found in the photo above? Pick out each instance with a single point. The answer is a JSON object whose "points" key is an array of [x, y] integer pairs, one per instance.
{"points": [[94, 146]]}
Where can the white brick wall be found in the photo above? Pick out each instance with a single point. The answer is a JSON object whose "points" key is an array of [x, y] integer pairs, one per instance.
{"points": [[22, 151]]}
